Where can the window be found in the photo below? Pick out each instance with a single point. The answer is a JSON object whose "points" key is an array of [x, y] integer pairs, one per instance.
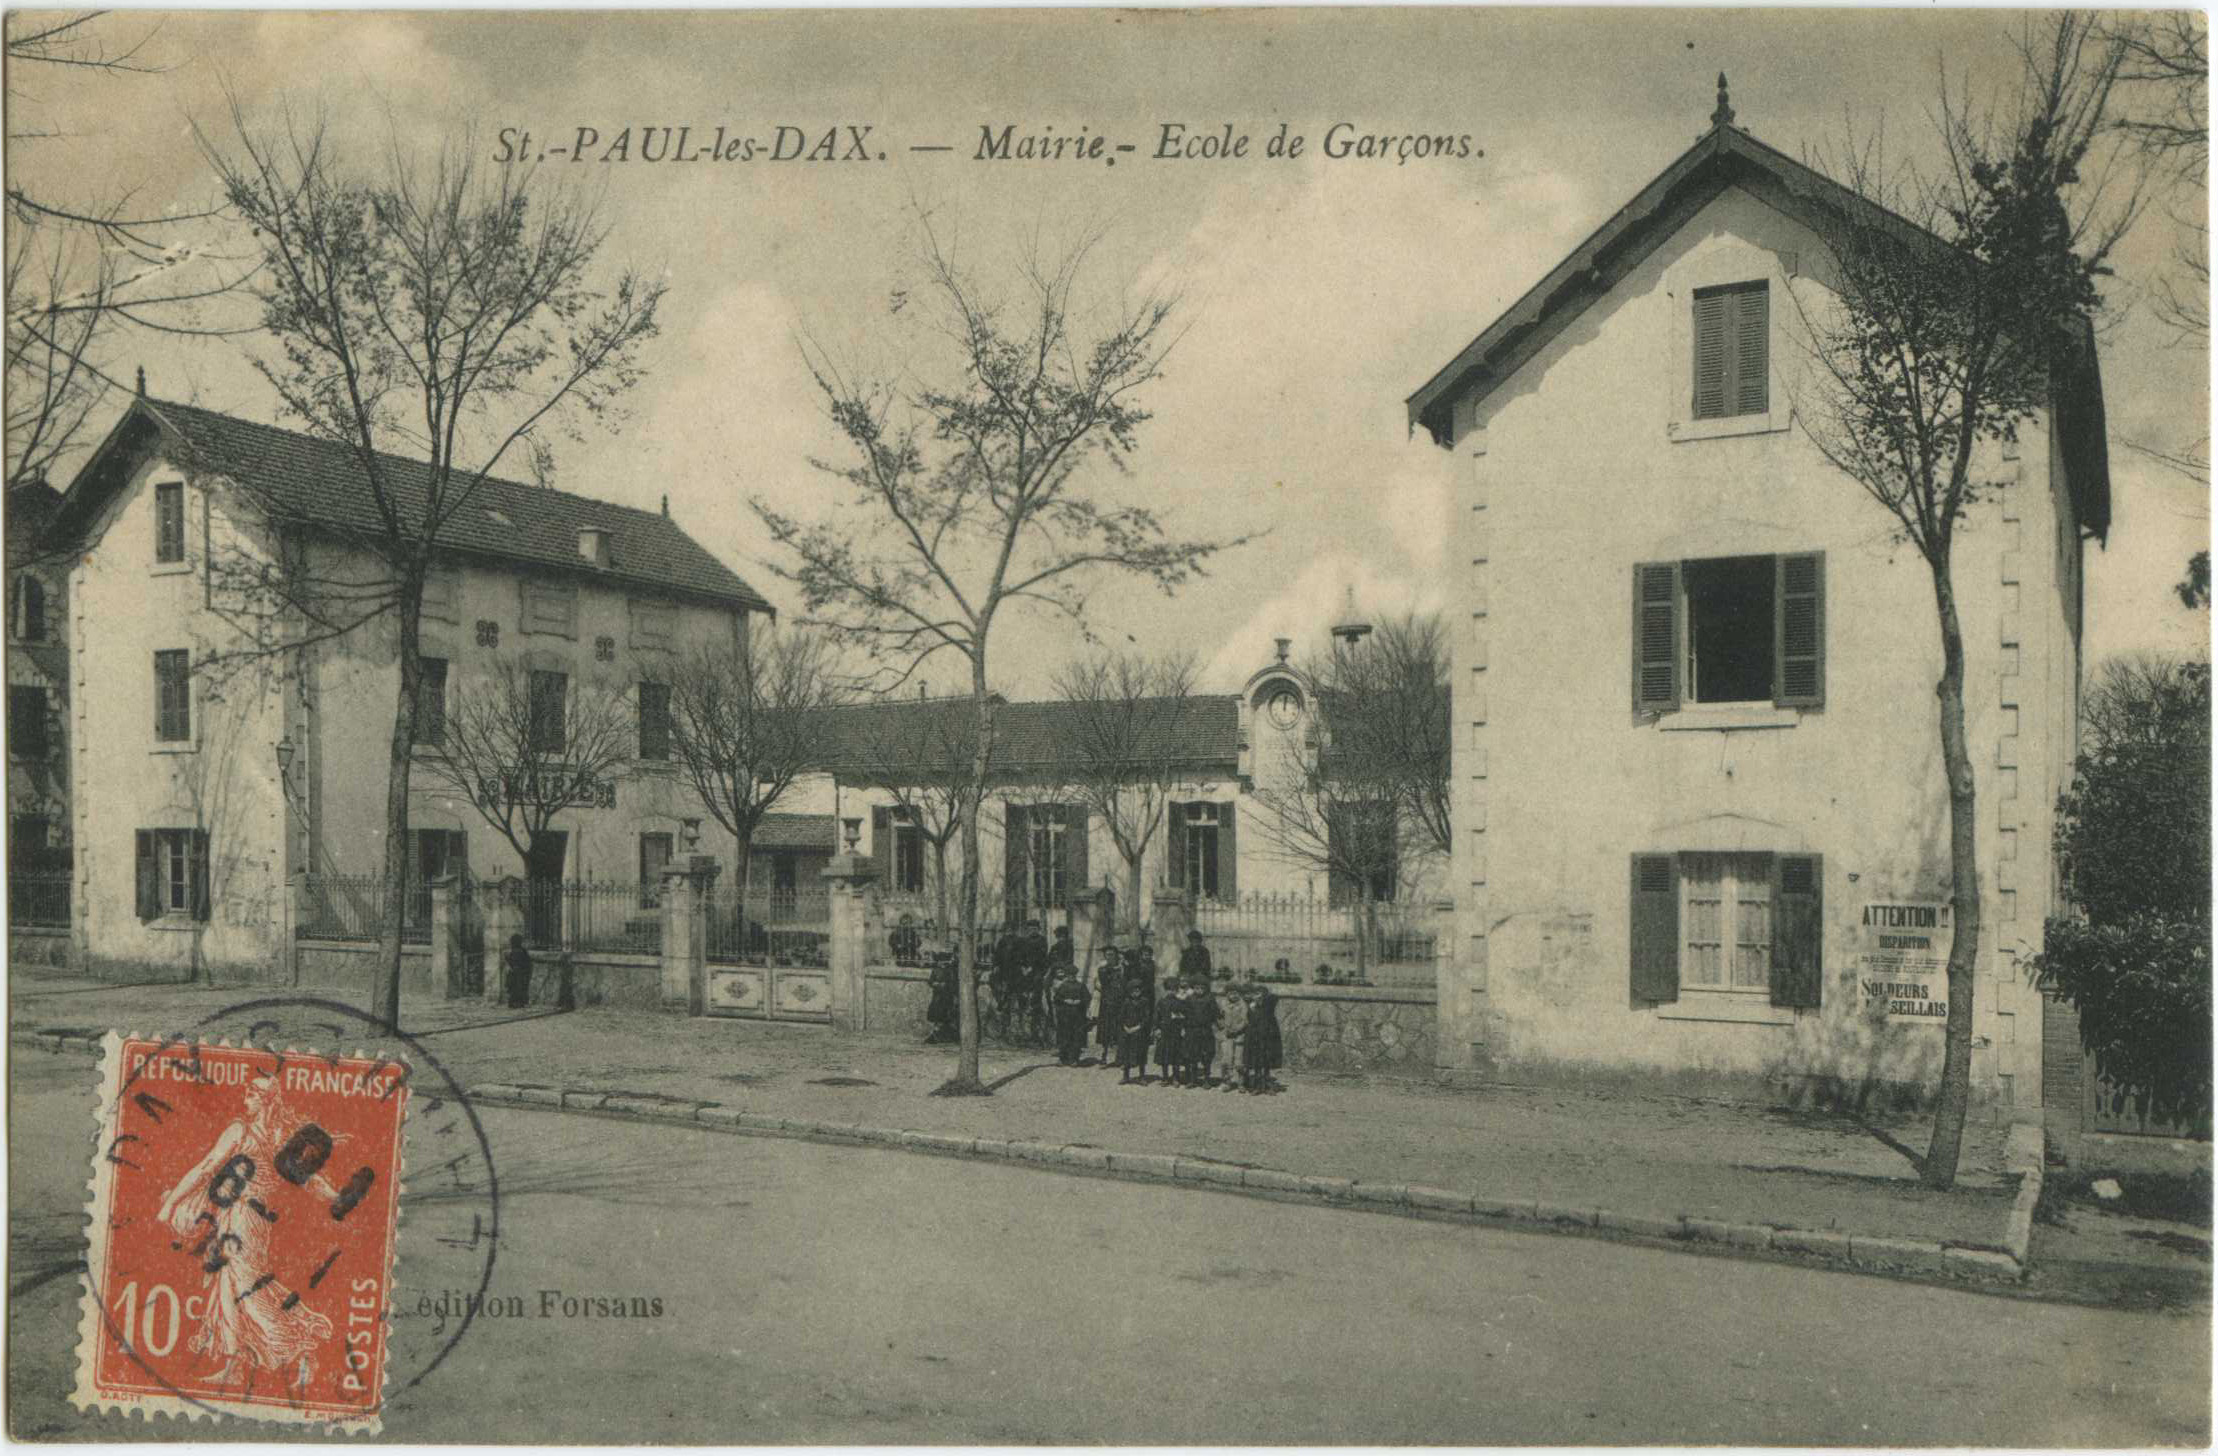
{"points": [[434, 854], [1202, 856], [1734, 629], [29, 608], [1365, 851], [1045, 849], [443, 594], [550, 608], [172, 873], [1732, 370], [897, 844], [169, 522], [654, 858], [654, 721], [173, 696], [549, 692], [431, 701], [654, 625], [27, 724], [1728, 923]]}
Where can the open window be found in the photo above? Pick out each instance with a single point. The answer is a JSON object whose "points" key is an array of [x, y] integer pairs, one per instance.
{"points": [[1729, 629]]}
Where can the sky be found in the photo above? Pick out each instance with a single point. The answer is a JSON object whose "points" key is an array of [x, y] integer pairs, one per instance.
{"points": [[1317, 292]]}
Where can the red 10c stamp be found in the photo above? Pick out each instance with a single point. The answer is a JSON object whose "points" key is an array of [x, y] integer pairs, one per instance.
{"points": [[240, 1254]]}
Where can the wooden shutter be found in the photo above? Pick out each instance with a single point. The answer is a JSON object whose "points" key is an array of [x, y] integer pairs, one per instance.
{"points": [[1797, 930], [1712, 326], [196, 873], [1751, 353], [1798, 606], [881, 844], [1176, 845], [1655, 902], [149, 877], [1016, 847], [1075, 867], [1656, 635], [1228, 855]]}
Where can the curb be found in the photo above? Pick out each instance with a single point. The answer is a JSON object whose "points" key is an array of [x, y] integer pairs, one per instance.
{"points": [[1831, 1247]]}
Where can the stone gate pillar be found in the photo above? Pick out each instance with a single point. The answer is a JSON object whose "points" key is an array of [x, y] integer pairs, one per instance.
{"points": [[1172, 917], [686, 888], [850, 878], [444, 971], [504, 917]]}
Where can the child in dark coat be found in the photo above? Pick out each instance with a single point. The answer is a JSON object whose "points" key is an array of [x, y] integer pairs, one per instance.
{"points": [[1135, 1019], [1201, 1032], [1263, 1051], [1109, 1004], [1170, 1032]]}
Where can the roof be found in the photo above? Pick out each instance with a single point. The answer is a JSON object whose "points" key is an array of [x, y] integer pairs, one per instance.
{"points": [[925, 737], [322, 483], [817, 833], [1725, 157]]}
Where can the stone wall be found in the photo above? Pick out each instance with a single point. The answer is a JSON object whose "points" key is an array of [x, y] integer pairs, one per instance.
{"points": [[353, 964], [39, 948], [895, 998], [620, 983], [1358, 1029]]}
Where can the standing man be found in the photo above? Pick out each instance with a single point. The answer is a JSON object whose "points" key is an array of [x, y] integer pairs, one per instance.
{"points": [[1067, 994]]}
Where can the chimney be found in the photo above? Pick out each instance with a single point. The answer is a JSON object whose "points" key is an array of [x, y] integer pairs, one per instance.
{"points": [[593, 544], [142, 381]]}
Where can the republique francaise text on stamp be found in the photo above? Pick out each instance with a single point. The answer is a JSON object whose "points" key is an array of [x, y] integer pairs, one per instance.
{"points": [[240, 1253]]}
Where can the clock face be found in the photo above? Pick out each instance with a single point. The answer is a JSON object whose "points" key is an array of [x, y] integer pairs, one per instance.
{"points": [[1285, 709]]}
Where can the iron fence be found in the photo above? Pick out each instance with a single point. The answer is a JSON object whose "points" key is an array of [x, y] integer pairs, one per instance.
{"points": [[776, 926], [1383, 943], [584, 916], [39, 900]]}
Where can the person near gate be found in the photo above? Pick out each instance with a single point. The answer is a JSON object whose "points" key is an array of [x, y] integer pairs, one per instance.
{"points": [[1264, 1051], [1135, 1019], [1194, 959], [1232, 1026], [1170, 1032], [516, 973], [1201, 1031]]}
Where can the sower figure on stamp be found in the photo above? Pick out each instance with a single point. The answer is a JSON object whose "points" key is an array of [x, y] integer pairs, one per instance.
{"points": [[218, 1210]]}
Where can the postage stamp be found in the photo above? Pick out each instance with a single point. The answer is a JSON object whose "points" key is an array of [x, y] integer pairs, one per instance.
{"points": [[241, 1249]]}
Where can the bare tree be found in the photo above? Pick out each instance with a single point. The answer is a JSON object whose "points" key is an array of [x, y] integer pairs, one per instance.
{"points": [[1960, 308], [429, 318], [1384, 705], [746, 723], [1336, 808], [1127, 715], [81, 270], [983, 484], [527, 746], [920, 756]]}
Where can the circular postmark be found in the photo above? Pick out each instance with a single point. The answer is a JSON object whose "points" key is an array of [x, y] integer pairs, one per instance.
{"points": [[450, 1205]]}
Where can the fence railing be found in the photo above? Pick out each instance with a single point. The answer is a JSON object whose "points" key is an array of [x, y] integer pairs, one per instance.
{"points": [[778, 927], [39, 900], [344, 907], [583, 916], [1387, 943]]}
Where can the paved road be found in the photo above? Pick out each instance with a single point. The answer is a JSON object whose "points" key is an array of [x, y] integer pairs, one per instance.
{"points": [[812, 1293]]}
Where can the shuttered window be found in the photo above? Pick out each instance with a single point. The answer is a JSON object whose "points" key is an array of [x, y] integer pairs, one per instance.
{"points": [[654, 721], [173, 696], [1732, 353], [1728, 923], [172, 873], [1729, 630], [169, 522], [1799, 633], [547, 711], [1656, 637], [431, 701]]}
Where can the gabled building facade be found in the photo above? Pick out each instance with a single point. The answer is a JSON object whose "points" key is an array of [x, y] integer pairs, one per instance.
{"points": [[224, 752], [1701, 824]]}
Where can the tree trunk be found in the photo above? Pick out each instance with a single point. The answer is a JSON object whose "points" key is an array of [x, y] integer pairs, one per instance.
{"points": [[966, 1081], [939, 885], [400, 751], [1132, 882], [1964, 899], [743, 872]]}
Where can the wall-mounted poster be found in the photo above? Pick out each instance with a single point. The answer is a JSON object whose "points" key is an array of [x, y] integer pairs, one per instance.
{"points": [[1902, 958]]}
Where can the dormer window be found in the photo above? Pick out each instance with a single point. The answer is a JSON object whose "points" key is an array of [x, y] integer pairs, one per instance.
{"points": [[1732, 350]]}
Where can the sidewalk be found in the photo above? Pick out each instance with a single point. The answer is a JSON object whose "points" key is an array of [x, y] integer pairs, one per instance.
{"points": [[1663, 1167]]}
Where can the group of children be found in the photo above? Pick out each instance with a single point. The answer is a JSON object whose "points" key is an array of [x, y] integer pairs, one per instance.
{"points": [[1204, 1028]]}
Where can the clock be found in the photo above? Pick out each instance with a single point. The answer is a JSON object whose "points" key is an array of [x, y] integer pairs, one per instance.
{"points": [[1284, 708]]}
